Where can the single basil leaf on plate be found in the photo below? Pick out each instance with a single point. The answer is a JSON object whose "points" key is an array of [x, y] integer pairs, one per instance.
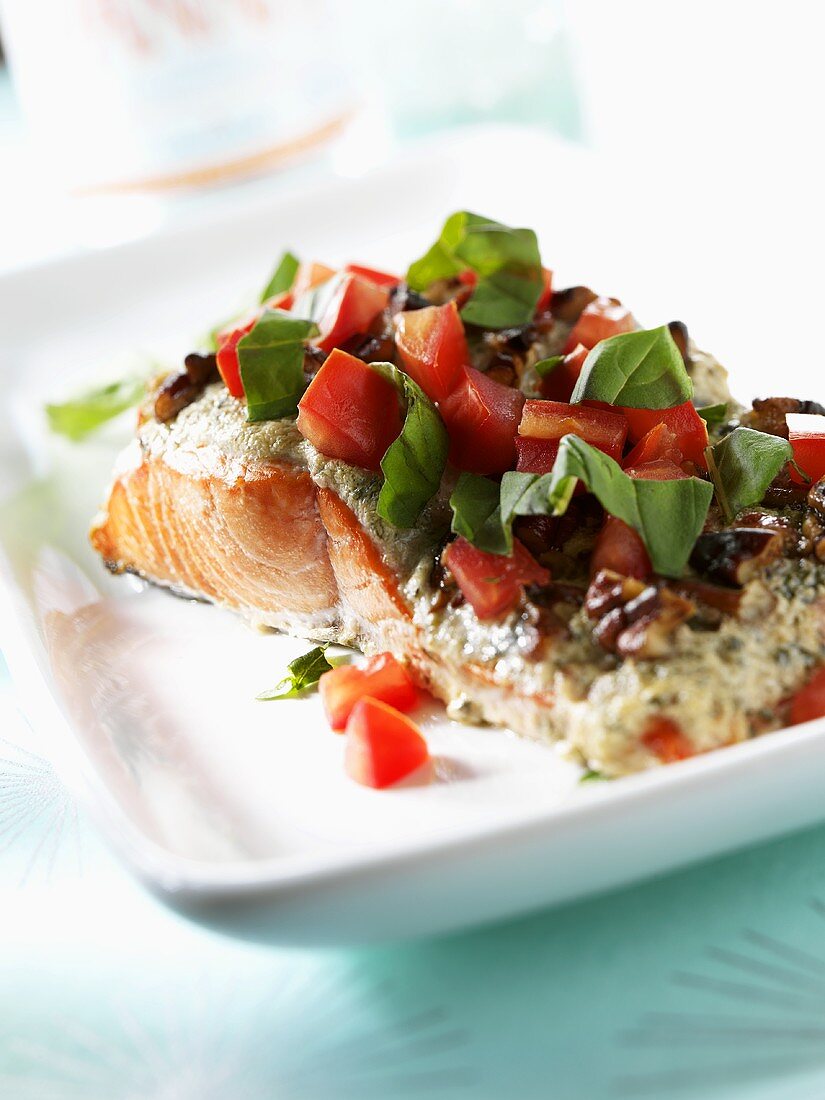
{"points": [[271, 358], [743, 464], [667, 515], [303, 673], [592, 776], [714, 414], [413, 464], [643, 370], [83, 414], [507, 262], [282, 277], [476, 506], [547, 366]]}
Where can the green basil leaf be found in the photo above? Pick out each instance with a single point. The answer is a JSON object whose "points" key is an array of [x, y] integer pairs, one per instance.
{"points": [[271, 358], [303, 673], [592, 776], [476, 505], [547, 366], [282, 277], [413, 464], [714, 414], [643, 370], [83, 414], [507, 262], [743, 464], [668, 515]]}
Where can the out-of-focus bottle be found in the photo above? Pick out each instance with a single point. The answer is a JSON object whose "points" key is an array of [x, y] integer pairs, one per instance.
{"points": [[152, 94]]}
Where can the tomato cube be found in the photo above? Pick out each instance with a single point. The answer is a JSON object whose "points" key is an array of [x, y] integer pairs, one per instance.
{"points": [[383, 745], [807, 435], [535, 456], [683, 420], [554, 419], [482, 418], [543, 304], [350, 308], [308, 276], [809, 701], [666, 740], [559, 384], [380, 278], [492, 583], [350, 412], [433, 348], [227, 356], [601, 319], [382, 677], [619, 548], [659, 442]]}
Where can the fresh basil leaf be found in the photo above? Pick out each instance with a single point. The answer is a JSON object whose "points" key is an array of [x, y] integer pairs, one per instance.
{"points": [[476, 506], [413, 464], [547, 366], [282, 277], [303, 673], [643, 370], [507, 262], [743, 464], [83, 414], [714, 414], [667, 515], [271, 358], [592, 776]]}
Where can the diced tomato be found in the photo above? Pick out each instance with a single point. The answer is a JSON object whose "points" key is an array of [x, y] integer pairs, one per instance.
{"points": [[807, 436], [380, 278], [683, 420], [482, 418], [228, 364], [665, 739], [383, 745], [468, 277], [308, 276], [619, 548], [349, 411], [285, 301], [382, 677], [492, 583], [433, 348], [535, 456], [809, 701], [559, 384], [601, 319], [658, 469], [352, 306], [659, 442], [543, 303], [554, 419]]}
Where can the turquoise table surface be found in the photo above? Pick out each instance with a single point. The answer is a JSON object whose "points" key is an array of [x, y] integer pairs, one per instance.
{"points": [[709, 983]]}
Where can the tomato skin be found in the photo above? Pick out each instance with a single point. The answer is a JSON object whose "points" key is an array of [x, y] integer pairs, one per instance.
{"points": [[383, 745], [535, 456], [482, 418], [665, 739], [598, 321], [619, 548], [351, 310], [806, 432], [543, 304], [659, 442], [350, 412], [433, 348], [559, 384], [380, 278], [809, 701], [227, 355], [382, 678], [690, 429], [492, 583], [554, 419]]}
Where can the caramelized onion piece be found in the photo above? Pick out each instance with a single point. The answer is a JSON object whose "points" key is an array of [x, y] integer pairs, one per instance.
{"points": [[679, 332], [768, 414], [736, 556], [569, 304], [634, 619], [181, 388], [816, 497]]}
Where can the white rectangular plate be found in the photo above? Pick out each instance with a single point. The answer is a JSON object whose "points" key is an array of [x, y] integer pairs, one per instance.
{"points": [[239, 812]]}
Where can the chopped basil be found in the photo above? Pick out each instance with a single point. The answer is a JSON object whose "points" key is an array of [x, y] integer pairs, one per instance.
{"points": [[303, 673], [643, 370], [271, 359], [592, 776], [83, 414], [667, 515], [282, 277], [714, 414], [742, 466], [476, 505], [507, 262], [414, 463], [547, 366]]}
